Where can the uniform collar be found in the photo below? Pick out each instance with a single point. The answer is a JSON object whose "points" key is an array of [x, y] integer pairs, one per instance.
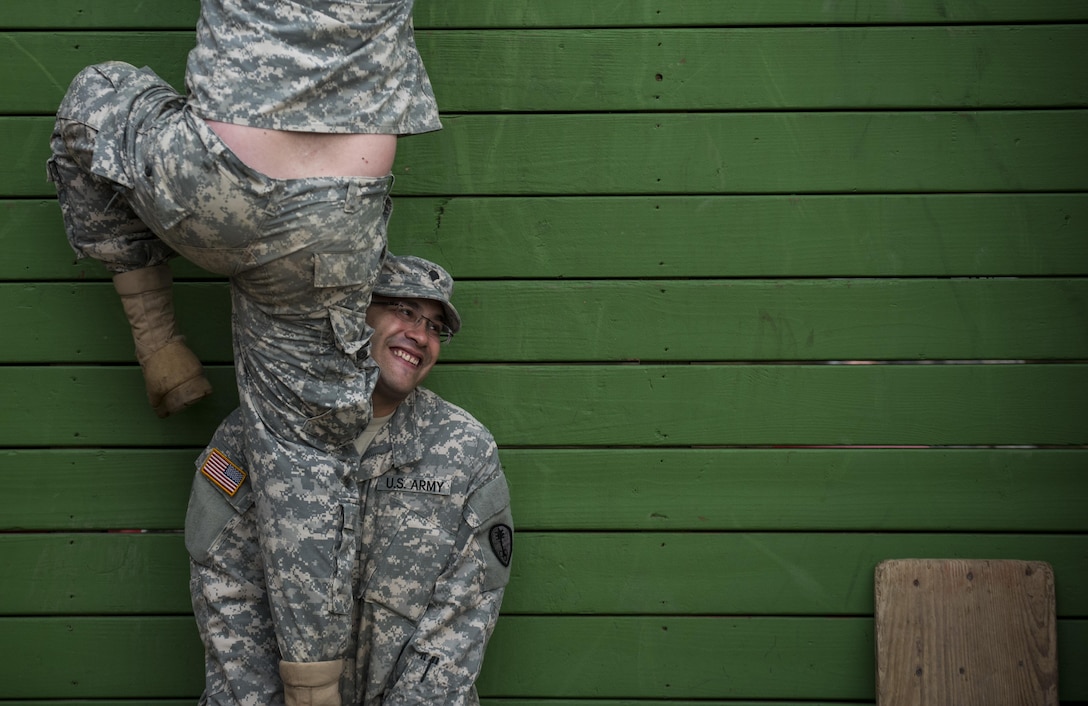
{"points": [[399, 443]]}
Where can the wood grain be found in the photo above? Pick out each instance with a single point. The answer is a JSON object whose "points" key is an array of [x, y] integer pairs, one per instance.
{"points": [[972, 631]]}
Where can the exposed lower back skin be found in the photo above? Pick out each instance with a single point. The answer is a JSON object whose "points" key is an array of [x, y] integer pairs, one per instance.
{"points": [[295, 155]]}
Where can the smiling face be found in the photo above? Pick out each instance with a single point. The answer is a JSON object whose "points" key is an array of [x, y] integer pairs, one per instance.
{"points": [[405, 352]]}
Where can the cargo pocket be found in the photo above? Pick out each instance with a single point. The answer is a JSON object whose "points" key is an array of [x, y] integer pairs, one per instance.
{"points": [[161, 182], [344, 281]]}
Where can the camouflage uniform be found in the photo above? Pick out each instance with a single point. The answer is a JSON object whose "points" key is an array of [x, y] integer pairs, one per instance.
{"points": [[141, 178], [429, 557]]}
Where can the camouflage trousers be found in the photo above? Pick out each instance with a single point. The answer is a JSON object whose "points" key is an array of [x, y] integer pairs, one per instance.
{"points": [[141, 179]]}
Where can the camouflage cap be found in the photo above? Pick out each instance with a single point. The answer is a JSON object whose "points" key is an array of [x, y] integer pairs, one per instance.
{"points": [[415, 278]]}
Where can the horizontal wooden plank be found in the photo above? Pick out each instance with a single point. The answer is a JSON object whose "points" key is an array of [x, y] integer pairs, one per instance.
{"points": [[700, 153], [624, 702], [599, 657], [658, 69], [497, 13], [932, 490], [766, 574], [114, 489], [561, 572], [483, 702], [94, 574], [95, 14], [706, 658], [675, 236], [841, 319], [90, 658], [759, 69], [101, 702], [812, 489], [623, 405], [577, 13], [44, 63], [755, 405], [749, 153]]}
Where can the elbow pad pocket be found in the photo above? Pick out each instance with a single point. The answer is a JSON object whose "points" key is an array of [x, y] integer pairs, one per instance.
{"points": [[210, 510], [488, 513]]}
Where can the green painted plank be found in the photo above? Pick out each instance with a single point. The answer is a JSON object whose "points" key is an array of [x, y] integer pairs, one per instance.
{"points": [[102, 14], [53, 658], [627, 702], [587, 657], [100, 702], [95, 489], [43, 64], [842, 319], [738, 153], [686, 405], [934, 490], [676, 236], [643, 405], [760, 69], [483, 702], [769, 658], [701, 153], [577, 13], [753, 574], [808, 489], [72, 574], [762, 236], [661, 69], [95, 321], [561, 573]]}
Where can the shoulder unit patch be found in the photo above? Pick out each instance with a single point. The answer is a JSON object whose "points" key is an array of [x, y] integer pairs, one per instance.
{"points": [[223, 473], [502, 542]]}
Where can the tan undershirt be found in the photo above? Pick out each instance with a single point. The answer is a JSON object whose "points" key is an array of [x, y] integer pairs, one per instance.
{"points": [[362, 442]]}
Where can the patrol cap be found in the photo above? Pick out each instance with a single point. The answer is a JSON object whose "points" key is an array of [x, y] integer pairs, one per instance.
{"points": [[415, 278]]}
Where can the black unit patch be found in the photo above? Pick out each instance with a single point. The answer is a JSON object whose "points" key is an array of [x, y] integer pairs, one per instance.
{"points": [[502, 542]]}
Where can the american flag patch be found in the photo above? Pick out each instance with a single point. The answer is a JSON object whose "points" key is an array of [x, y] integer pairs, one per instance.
{"points": [[223, 473]]}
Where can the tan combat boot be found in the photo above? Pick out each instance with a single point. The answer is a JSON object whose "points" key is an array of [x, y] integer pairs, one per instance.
{"points": [[173, 375], [311, 683]]}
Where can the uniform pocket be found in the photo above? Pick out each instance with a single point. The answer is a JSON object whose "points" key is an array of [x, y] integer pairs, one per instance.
{"points": [[488, 513], [209, 514]]}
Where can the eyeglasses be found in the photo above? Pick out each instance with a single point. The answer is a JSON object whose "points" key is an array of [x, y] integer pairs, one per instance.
{"points": [[411, 315]]}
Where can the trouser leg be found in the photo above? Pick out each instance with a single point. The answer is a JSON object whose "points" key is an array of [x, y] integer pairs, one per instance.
{"points": [[305, 384], [230, 603], [101, 223]]}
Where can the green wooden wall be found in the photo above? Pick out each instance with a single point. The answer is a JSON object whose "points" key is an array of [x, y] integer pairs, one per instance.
{"points": [[675, 224]]}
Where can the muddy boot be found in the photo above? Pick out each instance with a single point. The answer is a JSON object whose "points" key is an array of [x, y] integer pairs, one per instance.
{"points": [[311, 683], [173, 375]]}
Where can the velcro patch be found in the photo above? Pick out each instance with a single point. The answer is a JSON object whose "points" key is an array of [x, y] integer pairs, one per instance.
{"points": [[223, 473], [502, 542], [409, 484]]}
